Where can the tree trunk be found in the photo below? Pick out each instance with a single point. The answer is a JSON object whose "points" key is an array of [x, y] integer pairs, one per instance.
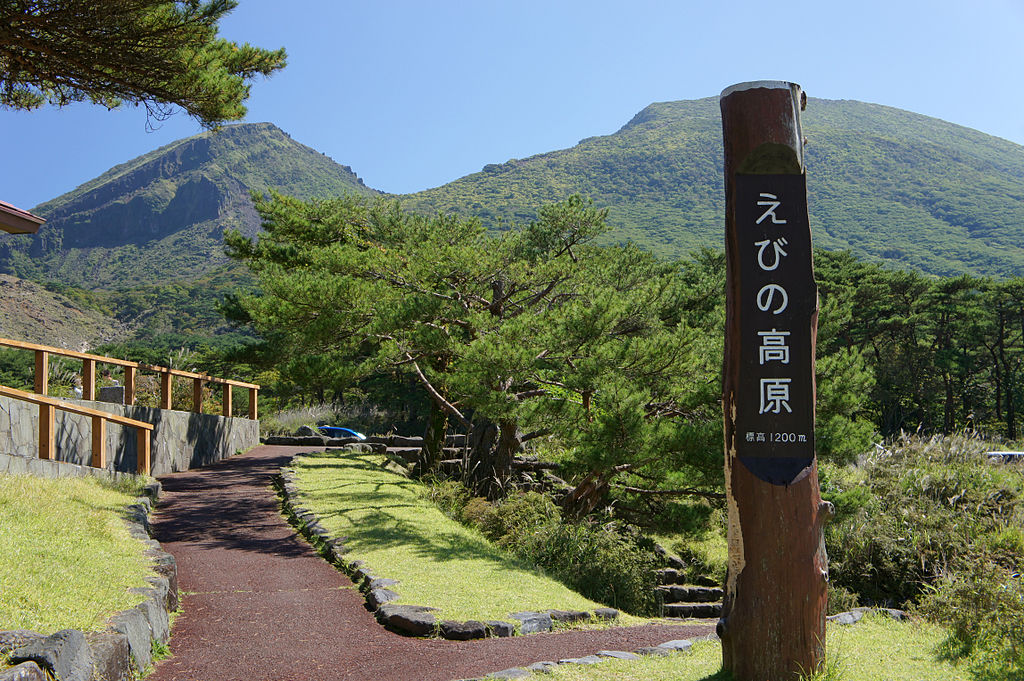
{"points": [[492, 446], [949, 408], [585, 496], [433, 439], [773, 615]]}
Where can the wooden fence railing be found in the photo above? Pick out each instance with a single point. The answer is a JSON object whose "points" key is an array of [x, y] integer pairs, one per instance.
{"points": [[89, 362], [47, 448]]}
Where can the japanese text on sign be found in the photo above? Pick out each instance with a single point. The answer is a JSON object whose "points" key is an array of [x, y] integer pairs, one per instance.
{"points": [[777, 299]]}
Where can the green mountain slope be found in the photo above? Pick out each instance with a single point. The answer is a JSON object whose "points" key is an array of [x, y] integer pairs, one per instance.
{"points": [[885, 183], [160, 217]]}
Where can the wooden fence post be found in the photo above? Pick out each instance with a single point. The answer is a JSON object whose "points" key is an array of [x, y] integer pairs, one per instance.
{"points": [[226, 401], [42, 375], [197, 395], [88, 379], [47, 450], [773, 615], [166, 389], [143, 462], [253, 409], [129, 385], [99, 442]]}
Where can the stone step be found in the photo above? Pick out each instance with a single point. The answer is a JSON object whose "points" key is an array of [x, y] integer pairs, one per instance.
{"points": [[410, 454], [670, 576], [689, 594], [702, 610]]}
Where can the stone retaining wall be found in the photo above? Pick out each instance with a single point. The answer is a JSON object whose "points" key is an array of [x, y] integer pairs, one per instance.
{"points": [[181, 440]]}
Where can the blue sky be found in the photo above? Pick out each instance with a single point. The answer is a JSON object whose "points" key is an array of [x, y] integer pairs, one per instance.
{"points": [[414, 94]]}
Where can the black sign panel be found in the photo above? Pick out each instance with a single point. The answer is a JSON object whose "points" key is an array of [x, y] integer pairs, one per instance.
{"points": [[777, 298]]}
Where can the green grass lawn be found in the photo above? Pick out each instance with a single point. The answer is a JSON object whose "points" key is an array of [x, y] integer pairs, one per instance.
{"points": [[66, 558], [874, 649], [401, 534]]}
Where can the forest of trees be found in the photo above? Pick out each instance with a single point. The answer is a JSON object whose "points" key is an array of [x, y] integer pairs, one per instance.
{"points": [[614, 353]]}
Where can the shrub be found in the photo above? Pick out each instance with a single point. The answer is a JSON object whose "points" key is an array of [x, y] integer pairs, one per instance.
{"points": [[609, 563], [909, 512], [600, 562], [450, 496], [982, 603], [513, 520]]}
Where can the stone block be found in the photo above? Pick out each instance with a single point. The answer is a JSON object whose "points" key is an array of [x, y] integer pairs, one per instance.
{"points": [[65, 655], [153, 490], [462, 631], [298, 441], [513, 673], [42, 468], [499, 629], [111, 657], [383, 583], [114, 394], [26, 671], [618, 654], [166, 566], [133, 624], [12, 639], [400, 441], [362, 576], [378, 597], [542, 667], [417, 620], [606, 614], [153, 610], [532, 622], [678, 645], [690, 594], [588, 659], [17, 465], [845, 618], [568, 616], [162, 587], [668, 576]]}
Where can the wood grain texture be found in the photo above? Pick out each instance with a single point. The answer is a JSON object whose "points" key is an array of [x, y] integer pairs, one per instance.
{"points": [[773, 617]]}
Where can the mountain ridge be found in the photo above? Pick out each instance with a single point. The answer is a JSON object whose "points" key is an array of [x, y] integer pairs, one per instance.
{"points": [[161, 216], [888, 184], [907, 177]]}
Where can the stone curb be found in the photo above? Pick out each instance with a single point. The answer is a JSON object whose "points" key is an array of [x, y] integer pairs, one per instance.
{"points": [[857, 614], [125, 648], [545, 667], [414, 620], [664, 649]]}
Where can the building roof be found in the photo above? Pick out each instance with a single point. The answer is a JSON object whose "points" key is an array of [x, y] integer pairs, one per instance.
{"points": [[18, 221]]}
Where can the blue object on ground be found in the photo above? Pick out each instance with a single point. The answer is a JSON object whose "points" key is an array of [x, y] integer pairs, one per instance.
{"points": [[1005, 457], [335, 431]]}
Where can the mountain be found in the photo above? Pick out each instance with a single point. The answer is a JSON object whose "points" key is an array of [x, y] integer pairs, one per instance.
{"points": [[887, 184], [161, 217], [33, 313]]}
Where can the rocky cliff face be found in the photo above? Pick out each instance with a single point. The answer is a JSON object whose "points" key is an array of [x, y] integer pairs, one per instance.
{"points": [[162, 216]]}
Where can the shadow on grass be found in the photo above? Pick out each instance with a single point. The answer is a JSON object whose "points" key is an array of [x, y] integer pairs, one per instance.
{"points": [[386, 512], [720, 675]]}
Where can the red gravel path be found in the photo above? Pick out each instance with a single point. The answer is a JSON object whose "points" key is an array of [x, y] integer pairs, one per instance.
{"points": [[259, 604]]}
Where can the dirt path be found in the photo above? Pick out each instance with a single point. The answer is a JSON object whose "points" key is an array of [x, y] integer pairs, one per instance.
{"points": [[260, 605]]}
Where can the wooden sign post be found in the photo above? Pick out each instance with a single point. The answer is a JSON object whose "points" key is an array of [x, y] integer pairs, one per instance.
{"points": [[773, 614]]}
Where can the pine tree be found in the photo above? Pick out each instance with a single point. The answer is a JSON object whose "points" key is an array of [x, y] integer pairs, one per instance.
{"points": [[155, 53]]}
